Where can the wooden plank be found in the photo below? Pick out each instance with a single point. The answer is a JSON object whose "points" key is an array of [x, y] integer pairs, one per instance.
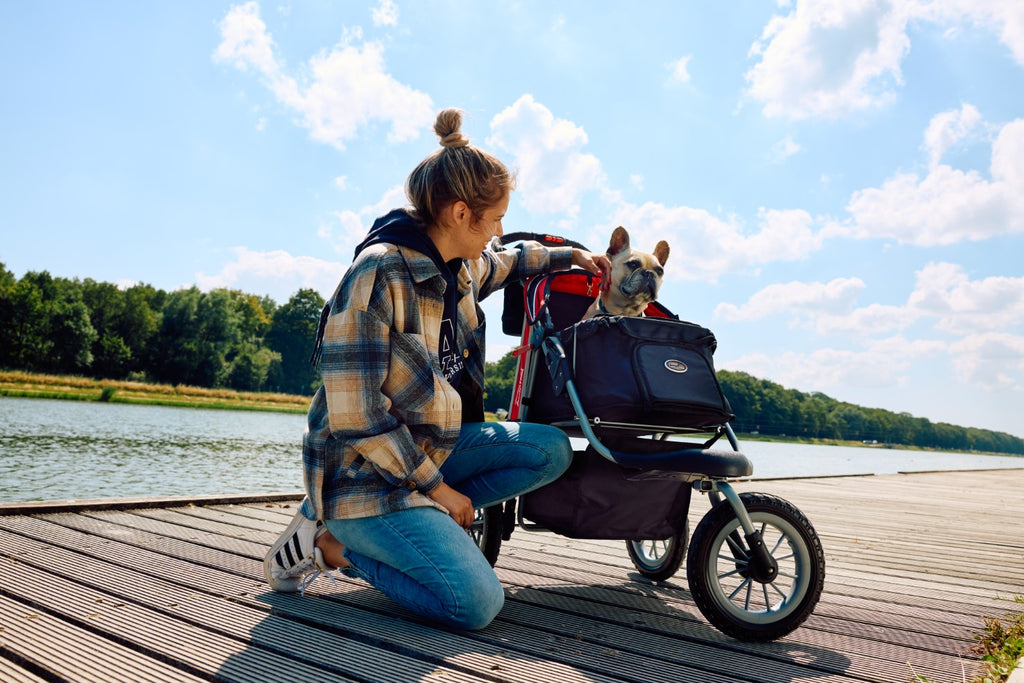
{"points": [[15, 673], [913, 563], [158, 634], [379, 626], [71, 653], [231, 618], [44, 506]]}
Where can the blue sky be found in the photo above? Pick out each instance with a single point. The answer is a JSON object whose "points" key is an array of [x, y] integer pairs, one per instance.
{"points": [[841, 183]]}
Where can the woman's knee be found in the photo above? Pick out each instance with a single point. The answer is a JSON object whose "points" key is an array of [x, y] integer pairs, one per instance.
{"points": [[479, 608], [558, 449]]}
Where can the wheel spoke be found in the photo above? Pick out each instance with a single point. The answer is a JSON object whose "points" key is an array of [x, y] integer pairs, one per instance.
{"points": [[737, 549], [732, 573], [733, 558], [746, 582]]}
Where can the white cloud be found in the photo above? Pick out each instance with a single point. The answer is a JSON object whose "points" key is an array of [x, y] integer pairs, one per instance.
{"points": [[973, 325], [277, 273], [554, 172], [829, 57], [783, 149], [948, 205], [347, 89], [993, 361], [835, 57], [947, 129], [715, 246], [869, 320], [965, 307], [385, 14], [1006, 19], [824, 369], [943, 294], [679, 70], [355, 224], [796, 298]]}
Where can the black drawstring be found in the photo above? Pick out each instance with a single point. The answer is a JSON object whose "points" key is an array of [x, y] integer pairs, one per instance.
{"points": [[318, 345]]}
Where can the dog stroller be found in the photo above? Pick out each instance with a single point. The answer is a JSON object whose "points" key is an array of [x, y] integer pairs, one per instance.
{"points": [[643, 394]]}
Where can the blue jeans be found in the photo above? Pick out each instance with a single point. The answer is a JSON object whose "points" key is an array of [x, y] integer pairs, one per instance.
{"points": [[421, 558]]}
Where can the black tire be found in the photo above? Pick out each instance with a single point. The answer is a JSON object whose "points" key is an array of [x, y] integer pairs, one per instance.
{"points": [[659, 560], [736, 603], [486, 532]]}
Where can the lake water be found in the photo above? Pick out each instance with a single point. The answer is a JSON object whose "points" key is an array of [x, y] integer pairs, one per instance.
{"points": [[63, 450]]}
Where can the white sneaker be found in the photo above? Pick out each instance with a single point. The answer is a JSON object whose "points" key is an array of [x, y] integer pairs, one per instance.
{"points": [[293, 555]]}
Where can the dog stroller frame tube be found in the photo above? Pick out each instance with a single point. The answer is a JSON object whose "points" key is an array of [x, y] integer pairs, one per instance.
{"points": [[713, 464], [755, 566]]}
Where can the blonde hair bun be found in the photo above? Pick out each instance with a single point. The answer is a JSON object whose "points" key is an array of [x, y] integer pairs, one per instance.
{"points": [[447, 126]]}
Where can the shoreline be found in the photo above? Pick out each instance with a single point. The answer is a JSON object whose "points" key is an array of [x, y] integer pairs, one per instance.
{"points": [[20, 384]]}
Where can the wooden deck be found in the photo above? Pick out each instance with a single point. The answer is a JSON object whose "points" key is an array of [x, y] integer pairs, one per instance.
{"points": [[174, 592]]}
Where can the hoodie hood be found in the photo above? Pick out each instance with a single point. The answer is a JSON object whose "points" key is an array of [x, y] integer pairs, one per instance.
{"points": [[398, 227]]}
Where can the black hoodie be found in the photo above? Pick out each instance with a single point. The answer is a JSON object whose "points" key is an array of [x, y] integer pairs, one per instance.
{"points": [[401, 229]]}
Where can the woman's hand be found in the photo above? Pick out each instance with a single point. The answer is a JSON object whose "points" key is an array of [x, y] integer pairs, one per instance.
{"points": [[459, 507], [595, 263]]}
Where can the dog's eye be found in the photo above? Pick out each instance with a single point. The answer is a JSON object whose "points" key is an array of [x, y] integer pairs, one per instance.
{"points": [[659, 271], [633, 264]]}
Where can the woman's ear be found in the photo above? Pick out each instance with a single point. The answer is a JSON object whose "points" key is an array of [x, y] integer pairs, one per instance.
{"points": [[456, 214], [461, 213]]}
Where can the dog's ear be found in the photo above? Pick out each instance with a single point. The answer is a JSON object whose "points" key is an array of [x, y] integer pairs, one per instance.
{"points": [[619, 241], [661, 252]]}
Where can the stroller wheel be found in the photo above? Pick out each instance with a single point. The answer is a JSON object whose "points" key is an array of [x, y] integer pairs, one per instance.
{"points": [[486, 531], [726, 585], [659, 560]]}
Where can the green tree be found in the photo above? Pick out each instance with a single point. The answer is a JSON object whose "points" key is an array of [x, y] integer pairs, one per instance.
{"points": [[254, 315], [112, 356], [48, 327], [250, 367], [744, 395], [291, 335], [197, 331], [499, 382], [23, 341]]}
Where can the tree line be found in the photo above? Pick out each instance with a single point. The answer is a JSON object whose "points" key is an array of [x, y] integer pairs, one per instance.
{"points": [[220, 338], [228, 338], [764, 407]]}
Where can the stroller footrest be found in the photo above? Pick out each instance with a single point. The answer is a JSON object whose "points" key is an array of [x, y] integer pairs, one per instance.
{"points": [[671, 456]]}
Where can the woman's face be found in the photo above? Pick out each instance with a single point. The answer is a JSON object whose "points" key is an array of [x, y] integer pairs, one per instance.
{"points": [[484, 227]]}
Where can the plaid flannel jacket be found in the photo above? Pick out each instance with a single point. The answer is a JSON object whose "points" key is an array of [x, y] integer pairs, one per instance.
{"points": [[385, 418]]}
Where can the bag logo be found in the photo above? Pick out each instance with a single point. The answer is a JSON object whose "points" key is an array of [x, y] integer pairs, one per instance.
{"points": [[674, 365]]}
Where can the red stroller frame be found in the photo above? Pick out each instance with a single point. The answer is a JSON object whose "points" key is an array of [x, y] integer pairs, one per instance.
{"points": [[755, 565]]}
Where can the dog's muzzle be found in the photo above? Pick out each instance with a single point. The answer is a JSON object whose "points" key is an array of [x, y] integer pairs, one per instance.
{"points": [[640, 282]]}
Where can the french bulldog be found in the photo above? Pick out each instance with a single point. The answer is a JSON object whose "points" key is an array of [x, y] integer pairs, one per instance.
{"points": [[635, 280]]}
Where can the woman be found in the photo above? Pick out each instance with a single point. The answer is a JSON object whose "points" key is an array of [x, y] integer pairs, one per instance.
{"points": [[397, 456]]}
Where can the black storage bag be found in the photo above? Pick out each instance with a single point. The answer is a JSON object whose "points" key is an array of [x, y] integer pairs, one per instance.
{"points": [[649, 371], [596, 498]]}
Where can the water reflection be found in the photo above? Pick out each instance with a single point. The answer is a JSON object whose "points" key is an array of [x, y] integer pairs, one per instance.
{"points": [[61, 450], [56, 450]]}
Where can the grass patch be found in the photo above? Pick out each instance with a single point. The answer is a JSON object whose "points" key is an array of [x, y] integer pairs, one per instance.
{"points": [[68, 387], [999, 646]]}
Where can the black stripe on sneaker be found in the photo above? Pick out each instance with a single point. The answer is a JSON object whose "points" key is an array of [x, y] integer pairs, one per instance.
{"points": [[291, 559]]}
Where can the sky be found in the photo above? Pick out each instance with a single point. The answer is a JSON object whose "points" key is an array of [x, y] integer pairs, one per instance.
{"points": [[841, 182]]}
